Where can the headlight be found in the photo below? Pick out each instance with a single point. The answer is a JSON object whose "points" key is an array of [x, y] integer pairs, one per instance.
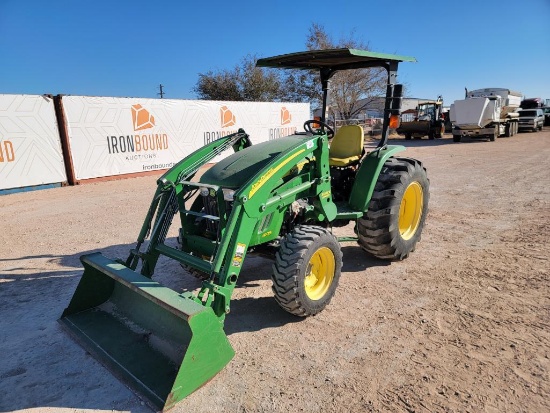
{"points": [[204, 191], [228, 194]]}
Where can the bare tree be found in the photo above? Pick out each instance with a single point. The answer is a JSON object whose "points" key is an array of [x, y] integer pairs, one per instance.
{"points": [[351, 91], [300, 86]]}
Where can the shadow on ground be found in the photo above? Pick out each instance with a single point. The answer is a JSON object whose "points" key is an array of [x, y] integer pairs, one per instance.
{"points": [[40, 371]]}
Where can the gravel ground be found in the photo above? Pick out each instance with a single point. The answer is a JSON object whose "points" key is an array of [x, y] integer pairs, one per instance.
{"points": [[462, 325]]}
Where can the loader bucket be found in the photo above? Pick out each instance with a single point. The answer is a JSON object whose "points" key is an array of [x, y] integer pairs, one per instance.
{"points": [[162, 344]]}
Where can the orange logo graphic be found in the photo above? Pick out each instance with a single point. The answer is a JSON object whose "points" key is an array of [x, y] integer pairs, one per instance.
{"points": [[142, 118], [228, 119], [286, 117]]}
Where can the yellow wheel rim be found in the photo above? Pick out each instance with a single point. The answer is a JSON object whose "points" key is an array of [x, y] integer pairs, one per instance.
{"points": [[320, 273], [410, 210]]}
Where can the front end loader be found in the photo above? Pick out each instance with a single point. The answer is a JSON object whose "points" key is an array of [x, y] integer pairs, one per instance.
{"points": [[281, 197], [427, 121]]}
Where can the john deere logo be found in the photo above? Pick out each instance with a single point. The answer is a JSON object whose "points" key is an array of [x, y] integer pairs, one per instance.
{"points": [[228, 119], [142, 119], [286, 117], [139, 147]]}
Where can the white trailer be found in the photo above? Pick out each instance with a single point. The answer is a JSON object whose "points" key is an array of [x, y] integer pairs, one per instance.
{"points": [[487, 113]]}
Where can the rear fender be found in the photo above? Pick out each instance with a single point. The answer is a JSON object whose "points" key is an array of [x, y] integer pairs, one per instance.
{"points": [[367, 175]]}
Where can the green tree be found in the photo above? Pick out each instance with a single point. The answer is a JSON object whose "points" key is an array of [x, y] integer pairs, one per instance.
{"points": [[222, 85], [257, 84], [245, 82]]}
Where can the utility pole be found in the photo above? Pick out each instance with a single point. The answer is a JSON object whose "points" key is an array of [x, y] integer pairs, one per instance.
{"points": [[161, 93]]}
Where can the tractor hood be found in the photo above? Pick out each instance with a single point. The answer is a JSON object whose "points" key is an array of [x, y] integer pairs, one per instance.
{"points": [[233, 171]]}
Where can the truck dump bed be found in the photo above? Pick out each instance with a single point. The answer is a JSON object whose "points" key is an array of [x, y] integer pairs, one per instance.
{"points": [[474, 113], [483, 107]]}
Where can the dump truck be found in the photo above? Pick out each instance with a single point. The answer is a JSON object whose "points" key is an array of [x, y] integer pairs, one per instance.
{"points": [[280, 198], [426, 121], [485, 113]]}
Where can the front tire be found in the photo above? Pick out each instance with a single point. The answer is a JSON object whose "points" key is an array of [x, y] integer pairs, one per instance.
{"points": [[306, 271], [397, 211]]}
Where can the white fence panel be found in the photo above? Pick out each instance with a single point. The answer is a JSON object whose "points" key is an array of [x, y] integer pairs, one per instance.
{"points": [[30, 148], [113, 136]]}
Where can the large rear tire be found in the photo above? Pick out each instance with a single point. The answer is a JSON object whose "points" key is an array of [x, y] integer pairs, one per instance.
{"points": [[394, 221], [306, 270]]}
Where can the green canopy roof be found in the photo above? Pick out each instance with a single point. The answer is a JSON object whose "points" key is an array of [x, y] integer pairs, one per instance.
{"points": [[333, 59]]}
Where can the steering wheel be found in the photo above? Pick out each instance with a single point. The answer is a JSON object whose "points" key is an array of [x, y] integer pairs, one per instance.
{"points": [[309, 128]]}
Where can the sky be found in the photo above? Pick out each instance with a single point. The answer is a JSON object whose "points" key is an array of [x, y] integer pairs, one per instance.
{"points": [[127, 48]]}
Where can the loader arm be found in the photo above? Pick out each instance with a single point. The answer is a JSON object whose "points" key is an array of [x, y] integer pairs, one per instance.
{"points": [[163, 343], [261, 195], [171, 181], [191, 163], [258, 194]]}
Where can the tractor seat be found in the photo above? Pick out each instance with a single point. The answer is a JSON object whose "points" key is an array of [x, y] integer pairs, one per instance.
{"points": [[346, 147]]}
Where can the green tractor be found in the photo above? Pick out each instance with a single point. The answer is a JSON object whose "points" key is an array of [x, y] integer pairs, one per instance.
{"points": [[281, 197]]}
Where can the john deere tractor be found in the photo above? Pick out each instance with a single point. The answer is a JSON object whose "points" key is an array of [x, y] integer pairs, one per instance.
{"points": [[281, 197]]}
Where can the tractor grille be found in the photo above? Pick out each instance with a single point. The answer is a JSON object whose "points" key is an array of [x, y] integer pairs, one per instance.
{"points": [[210, 204], [211, 208], [265, 222]]}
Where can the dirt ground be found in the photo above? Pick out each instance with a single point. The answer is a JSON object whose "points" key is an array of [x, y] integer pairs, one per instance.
{"points": [[462, 325]]}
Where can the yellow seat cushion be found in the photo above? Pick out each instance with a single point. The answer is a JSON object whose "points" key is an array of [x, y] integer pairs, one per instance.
{"points": [[343, 161], [346, 147]]}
